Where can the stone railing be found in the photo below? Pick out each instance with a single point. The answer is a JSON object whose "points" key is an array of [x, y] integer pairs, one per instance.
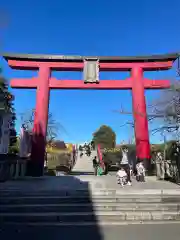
{"points": [[12, 167]]}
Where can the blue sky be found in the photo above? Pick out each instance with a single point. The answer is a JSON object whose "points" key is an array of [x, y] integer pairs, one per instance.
{"points": [[96, 27]]}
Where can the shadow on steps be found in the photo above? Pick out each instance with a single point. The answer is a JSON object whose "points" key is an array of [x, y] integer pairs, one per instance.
{"points": [[23, 220]]}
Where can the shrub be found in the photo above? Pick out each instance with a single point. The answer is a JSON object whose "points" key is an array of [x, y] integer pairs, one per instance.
{"points": [[13, 149], [51, 172], [113, 157], [60, 160], [160, 147]]}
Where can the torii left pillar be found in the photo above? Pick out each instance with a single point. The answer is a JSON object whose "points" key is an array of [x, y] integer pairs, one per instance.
{"points": [[36, 165]]}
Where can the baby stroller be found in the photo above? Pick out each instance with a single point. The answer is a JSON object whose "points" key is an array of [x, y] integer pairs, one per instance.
{"points": [[121, 177], [122, 181]]}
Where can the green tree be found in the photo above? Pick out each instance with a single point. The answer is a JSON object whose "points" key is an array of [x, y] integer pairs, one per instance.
{"points": [[105, 136], [5, 96], [6, 107]]}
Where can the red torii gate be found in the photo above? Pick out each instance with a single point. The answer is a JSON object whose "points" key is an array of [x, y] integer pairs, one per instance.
{"points": [[44, 82]]}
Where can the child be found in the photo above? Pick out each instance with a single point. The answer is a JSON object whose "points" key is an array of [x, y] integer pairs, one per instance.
{"points": [[140, 172], [121, 177]]}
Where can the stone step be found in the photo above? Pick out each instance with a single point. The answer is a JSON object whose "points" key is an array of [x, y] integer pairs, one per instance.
{"points": [[83, 193], [91, 192], [115, 216], [86, 195], [87, 207], [87, 199], [88, 224]]}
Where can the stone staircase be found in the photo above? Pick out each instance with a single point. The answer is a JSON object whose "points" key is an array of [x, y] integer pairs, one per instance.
{"points": [[85, 207], [84, 163]]}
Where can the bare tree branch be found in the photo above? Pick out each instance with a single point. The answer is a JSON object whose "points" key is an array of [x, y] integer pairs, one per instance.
{"points": [[53, 126], [128, 123], [166, 109]]}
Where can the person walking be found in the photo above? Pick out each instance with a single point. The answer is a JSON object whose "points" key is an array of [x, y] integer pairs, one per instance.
{"points": [[175, 157], [125, 164], [95, 165], [88, 151], [160, 169]]}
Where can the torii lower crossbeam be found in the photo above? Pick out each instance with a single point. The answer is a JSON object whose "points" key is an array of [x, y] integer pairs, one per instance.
{"points": [[44, 82]]}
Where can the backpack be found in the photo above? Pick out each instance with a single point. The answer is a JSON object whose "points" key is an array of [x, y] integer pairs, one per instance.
{"points": [[99, 171]]}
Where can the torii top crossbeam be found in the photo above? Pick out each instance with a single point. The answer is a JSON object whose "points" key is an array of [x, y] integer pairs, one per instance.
{"points": [[75, 58], [76, 63]]}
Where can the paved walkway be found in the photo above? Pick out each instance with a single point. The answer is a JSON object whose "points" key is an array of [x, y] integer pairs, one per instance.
{"points": [[84, 182], [84, 163]]}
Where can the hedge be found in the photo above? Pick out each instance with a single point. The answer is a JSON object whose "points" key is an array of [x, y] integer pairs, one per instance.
{"points": [[115, 156], [161, 147], [59, 160]]}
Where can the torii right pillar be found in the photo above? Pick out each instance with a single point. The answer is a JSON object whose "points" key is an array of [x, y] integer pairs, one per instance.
{"points": [[140, 116]]}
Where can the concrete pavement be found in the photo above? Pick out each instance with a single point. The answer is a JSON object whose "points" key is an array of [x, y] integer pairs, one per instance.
{"points": [[127, 232], [85, 182], [84, 163]]}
